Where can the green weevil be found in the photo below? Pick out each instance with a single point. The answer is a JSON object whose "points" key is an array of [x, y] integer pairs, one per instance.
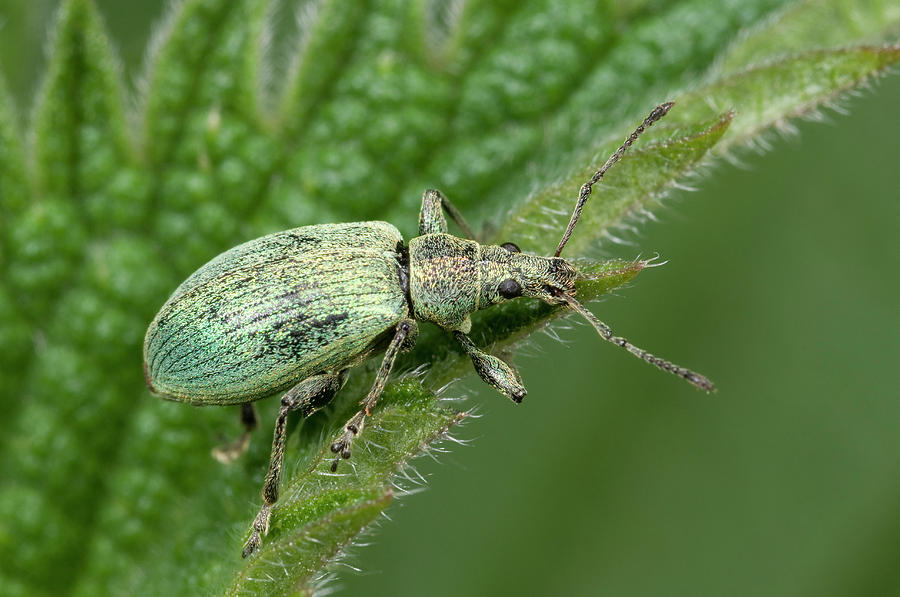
{"points": [[294, 311]]}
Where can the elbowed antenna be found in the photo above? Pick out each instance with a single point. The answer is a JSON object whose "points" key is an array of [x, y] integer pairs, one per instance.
{"points": [[585, 192], [696, 379]]}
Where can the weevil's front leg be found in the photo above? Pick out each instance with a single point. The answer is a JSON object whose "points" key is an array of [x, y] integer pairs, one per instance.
{"points": [[494, 371], [230, 452], [307, 396], [431, 216], [404, 338]]}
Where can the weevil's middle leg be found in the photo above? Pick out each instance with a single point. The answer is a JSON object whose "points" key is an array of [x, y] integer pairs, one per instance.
{"points": [[307, 396], [230, 452], [404, 338]]}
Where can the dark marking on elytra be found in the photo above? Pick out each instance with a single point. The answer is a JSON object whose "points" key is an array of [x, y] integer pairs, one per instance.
{"points": [[329, 320], [242, 282], [296, 340], [294, 299]]}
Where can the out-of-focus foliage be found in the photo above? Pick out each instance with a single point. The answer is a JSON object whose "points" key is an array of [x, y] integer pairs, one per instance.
{"points": [[106, 204]]}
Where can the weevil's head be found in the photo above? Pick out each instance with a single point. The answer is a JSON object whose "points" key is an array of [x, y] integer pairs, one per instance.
{"points": [[506, 273]]}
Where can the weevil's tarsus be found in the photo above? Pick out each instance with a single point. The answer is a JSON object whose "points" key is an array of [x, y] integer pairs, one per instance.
{"points": [[307, 396], [585, 192], [258, 530], [228, 453], [431, 216], [406, 332], [605, 332]]}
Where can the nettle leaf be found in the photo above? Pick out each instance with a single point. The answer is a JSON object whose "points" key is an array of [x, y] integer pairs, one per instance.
{"points": [[320, 511], [245, 126]]}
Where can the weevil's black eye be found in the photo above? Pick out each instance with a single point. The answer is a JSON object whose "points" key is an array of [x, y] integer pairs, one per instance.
{"points": [[509, 288], [511, 247]]}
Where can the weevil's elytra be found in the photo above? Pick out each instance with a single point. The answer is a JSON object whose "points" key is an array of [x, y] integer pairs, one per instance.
{"points": [[294, 311], [297, 305]]}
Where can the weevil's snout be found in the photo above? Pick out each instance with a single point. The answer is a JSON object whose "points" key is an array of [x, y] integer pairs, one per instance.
{"points": [[563, 279], [547, 278]]}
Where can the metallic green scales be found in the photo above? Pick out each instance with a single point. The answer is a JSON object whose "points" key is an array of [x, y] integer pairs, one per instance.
{"points": [[275, 310]]}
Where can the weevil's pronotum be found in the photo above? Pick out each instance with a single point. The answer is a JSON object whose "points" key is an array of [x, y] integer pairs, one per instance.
{"points": [[296, 310]]}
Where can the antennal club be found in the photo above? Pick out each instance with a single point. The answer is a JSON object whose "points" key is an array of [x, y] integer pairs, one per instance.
{"points": [[696, 379], [585, 192]]}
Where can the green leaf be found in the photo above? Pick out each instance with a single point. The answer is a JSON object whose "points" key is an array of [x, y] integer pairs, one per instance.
{"points": [[506, 106], [202, 127], [320, 512], [13, 183], [300, 556], [75, 379], [767, 95], [79, 122], [15, 333], [326, 43], [802, 27]]}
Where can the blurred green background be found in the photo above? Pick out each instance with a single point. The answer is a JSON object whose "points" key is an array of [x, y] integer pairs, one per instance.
{"points": [[787, 482]]}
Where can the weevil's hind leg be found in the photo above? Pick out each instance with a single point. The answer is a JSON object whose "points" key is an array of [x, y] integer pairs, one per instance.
{"points": [[494, 371], [404, 339], [228, 453], [307, 396], [431, 216]]}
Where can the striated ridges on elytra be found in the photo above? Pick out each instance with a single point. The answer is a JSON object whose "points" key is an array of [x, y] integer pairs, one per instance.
{"points": [[300, 301]]}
